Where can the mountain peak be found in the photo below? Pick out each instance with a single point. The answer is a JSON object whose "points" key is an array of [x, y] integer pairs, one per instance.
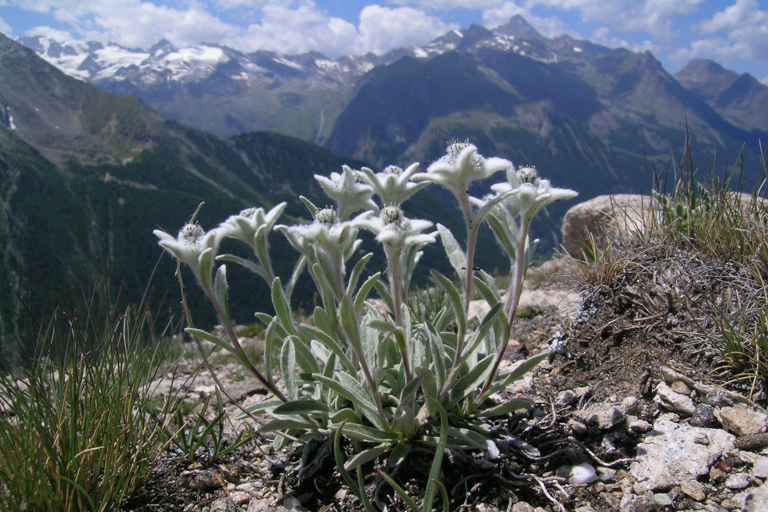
{"points": [[472, 35], [705, 77], [162, 47], [518, 27]]}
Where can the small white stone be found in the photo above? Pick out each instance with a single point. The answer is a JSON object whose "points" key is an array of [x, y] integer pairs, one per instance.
{"points": [[582, 474], [760, 468], [737, 481]]}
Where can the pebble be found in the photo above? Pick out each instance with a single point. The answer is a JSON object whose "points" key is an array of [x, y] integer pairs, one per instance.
{"points": [[640, 426], [606, 474], [673, 401], [716, 475], [604, 415], [740, 420], [577, 475], [222, 505], [522, 506], [662, 499], [240, 498], [680, 387], [694, 490], [577, 427], [738, 481], [704, 416], [760, 468], [629, 404]]}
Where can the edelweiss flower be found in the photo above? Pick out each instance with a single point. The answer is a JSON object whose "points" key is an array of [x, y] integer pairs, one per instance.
{"points": [[192, 246], [395, 230], [460, 166], [350, 195], [533, 193], [393, 185], [250, 224], [326, 231]]}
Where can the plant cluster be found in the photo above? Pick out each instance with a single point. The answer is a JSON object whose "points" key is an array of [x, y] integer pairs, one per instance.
{"points": [[76, 432], [385, 379]]}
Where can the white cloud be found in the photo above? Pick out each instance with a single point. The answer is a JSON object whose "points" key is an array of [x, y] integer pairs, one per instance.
{"points": [[383, 29], [603, 36], [5, 28], [304, 28], [765, 80], [738, 32], [52, 33]]}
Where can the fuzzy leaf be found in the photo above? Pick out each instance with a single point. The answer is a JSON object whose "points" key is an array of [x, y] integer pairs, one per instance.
{"points": [[356, 271], [453, 250], [516, 374], [454, 298], [283, 425], [506, 407], [365, 289], [365, 456], [282, 308], [288, 369], [399, 453], [469, 382], [302, 407]]}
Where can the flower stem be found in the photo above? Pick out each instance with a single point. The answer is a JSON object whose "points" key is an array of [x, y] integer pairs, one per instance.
{"points": [[393, 269], [513, 300]]}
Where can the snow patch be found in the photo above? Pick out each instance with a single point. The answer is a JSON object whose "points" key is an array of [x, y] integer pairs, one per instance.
{"points": [[10, 122], [457, 33], [419, 53], [327, 65], [287, 62], [577, 49]]}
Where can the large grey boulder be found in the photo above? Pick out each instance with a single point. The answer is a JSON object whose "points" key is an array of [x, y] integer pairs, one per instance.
{"points": [[605, 217]]}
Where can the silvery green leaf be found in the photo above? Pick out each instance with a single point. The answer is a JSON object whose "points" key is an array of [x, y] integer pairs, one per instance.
{"points": [[365, 456], [282, 308], [330, 342], [387, 353], [482, 330], [369, 434], [438, 353], [469, 382], [302, 407], [206, 268], [365, 289], [502, 236], [284, 424], [324, 279], [319, 350], [384, 294], [323, 321], [216, 341], [346, 415], [469, 437], [369, 338], [506, 407], [350, 324], [288, 369], [261, 407], [399, 453], [517, 373], [304, 358], [297, 269], [484, 210], [253, 267], [453, 250], [428, 382], [270, 340], [455, 299], [220, 288], [311, 207], [348, 387], [409, 391], [356, 271]]}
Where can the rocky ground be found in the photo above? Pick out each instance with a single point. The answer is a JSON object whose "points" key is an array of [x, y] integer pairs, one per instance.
{"points": [[635, 412]]}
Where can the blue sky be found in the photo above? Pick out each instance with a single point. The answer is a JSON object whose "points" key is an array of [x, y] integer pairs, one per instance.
{"points": [[731, 32]]}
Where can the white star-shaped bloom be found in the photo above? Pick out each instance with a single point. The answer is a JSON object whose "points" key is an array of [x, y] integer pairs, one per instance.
{"points": [[395, 230], [393, 185], [348, 192], [533, 193], [460, 166], [192, 246], [250, 224]]}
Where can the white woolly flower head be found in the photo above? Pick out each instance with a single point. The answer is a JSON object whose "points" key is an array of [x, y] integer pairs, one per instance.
{"points": [[393, 185], [460, 166], [349, 192], [533, 193], [393, 229], [250, 224], [192, 246]]}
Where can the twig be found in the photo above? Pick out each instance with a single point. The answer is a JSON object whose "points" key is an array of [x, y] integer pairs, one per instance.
{"points": [[591, 454]]}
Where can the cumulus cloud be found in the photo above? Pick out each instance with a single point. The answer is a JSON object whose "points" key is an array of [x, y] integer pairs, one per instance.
{"points": [[51, 33], [304, 28], [382, 28], [5, 28], [738, 32]]}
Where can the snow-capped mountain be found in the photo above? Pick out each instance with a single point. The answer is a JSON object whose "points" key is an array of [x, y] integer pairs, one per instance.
{"points": [[225, 91]]}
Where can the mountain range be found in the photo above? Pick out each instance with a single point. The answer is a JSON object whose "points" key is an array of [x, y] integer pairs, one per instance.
{"points": [[101, 144]]}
